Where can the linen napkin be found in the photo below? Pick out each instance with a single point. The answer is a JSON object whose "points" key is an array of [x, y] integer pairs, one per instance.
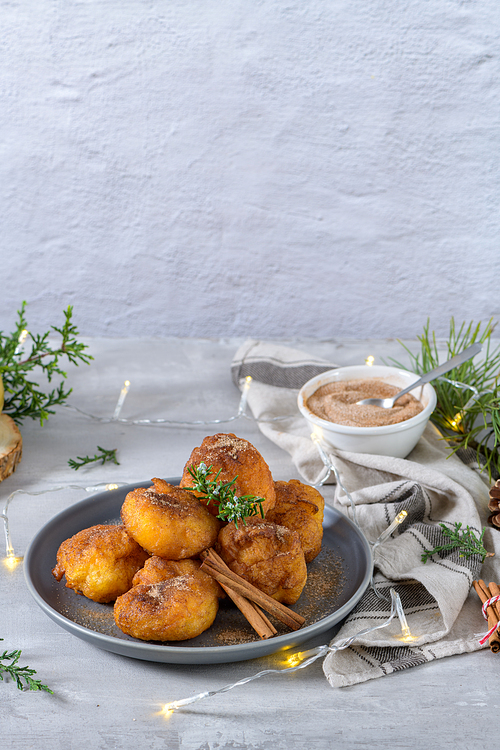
{"points": [[432, 485]]}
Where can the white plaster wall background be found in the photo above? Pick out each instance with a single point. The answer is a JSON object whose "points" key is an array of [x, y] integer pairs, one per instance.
{"points": [[318, 169]]}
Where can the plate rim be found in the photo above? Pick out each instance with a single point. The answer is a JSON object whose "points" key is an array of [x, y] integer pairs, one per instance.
{"points": [[150, 651]]}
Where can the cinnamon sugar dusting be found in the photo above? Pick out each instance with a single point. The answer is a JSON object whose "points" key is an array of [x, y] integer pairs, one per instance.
{"points": [[337, 402], [177, 505], [153, 592], [282, 534], [162, 589], [229, 443], [160, 498]]}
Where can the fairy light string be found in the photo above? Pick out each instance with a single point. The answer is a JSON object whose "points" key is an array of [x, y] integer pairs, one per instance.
{"points": [[303, 659], [241, 413], [246, 383]]}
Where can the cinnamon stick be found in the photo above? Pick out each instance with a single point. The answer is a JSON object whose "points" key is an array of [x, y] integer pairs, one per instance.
{"points": [[216, 567], [484, 594], [256, 618], [495, 591]]}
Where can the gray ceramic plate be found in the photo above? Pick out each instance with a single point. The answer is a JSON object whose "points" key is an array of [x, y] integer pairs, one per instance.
{"points": [[336, 581]]}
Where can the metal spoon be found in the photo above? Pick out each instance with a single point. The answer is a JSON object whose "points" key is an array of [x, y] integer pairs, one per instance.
{"points": [[388, 403]]}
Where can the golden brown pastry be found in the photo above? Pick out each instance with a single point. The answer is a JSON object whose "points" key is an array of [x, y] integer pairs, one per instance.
{"points": [[157, 569], [168, 521], [234, 457], [268, 556], [300, 508], [173, 610], [99, 562]]}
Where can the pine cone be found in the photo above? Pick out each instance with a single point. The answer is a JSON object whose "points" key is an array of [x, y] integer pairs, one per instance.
{"points": [[494, 504]]}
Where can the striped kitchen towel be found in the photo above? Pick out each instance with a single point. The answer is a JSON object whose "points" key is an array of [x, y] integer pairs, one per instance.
{"points": [[434, 487]]}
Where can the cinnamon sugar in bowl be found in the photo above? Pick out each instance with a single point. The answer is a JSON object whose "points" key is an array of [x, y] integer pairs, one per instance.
{"points": [[361, 429]]}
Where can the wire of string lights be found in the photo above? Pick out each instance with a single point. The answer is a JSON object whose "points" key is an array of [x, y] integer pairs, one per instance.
{"points": [[241, 412], [297, 661]]}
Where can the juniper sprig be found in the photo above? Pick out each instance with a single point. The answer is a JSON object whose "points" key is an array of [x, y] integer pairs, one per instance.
{"points": [[23, 395], [466, 541], [22, 675], [102, 455]]}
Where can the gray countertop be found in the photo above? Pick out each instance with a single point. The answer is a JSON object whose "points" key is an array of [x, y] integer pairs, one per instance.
{"points": [[102, 700]]}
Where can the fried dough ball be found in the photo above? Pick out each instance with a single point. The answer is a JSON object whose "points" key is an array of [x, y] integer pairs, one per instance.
{"points": [[234, 457], [168, 521], [157, 569], [300, 508], [99, 562], [173, 610], [267, 555]]}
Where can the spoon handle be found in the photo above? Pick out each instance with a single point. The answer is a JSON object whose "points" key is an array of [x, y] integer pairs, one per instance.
{"points": [[455, 361]]}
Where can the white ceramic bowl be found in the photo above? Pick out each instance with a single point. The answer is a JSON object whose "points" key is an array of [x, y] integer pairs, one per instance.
{"points": [[390, 440]]}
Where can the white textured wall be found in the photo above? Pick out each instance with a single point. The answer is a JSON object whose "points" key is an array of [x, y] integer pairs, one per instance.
{"points": [[317, 168]]}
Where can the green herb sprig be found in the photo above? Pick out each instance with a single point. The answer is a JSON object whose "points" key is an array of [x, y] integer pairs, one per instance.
{"points": [[468, 417], [23, 397], [22, 675], [102, 455], [466, 541], [231, 506]]}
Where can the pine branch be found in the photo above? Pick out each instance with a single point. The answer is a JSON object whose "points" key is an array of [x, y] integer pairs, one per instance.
{"points": [[469, 417]]}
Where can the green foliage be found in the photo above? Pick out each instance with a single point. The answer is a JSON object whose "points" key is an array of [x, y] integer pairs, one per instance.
{"points": [[23, 397], [468, 417], [466, 541], [231, 507], [22, 675], [102, 455]]}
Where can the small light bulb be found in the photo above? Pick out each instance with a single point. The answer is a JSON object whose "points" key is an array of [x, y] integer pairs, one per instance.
{"points": [[406, 636], [11, 562], [456, 421], [244, 395], [389, 530], [370, 360], [121, 399], [293, 660], [20, 341], [317, 435], [167, 710]]}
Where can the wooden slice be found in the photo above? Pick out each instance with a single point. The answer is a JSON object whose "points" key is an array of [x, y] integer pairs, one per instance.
{"points": [[11, 446]]}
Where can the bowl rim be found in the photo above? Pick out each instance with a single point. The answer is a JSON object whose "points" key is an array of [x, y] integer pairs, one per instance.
{"points": [[328, 426]]}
